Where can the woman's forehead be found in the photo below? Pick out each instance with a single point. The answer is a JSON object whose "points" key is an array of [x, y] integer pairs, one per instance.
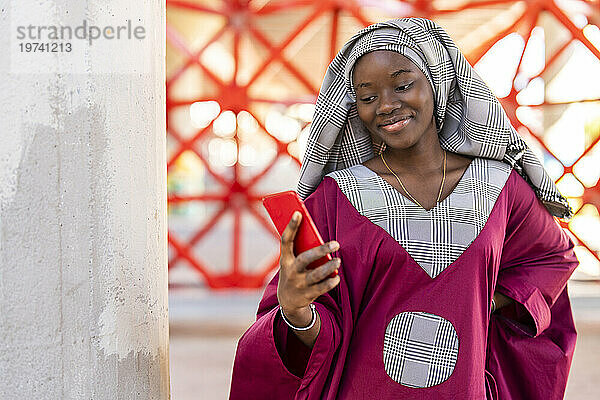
{"points": [[382, 61]]}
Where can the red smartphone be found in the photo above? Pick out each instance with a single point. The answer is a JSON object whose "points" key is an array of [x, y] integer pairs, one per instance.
{"points": [[281, 207]]}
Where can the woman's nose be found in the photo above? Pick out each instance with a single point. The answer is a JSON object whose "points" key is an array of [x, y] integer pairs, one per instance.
{"points": [[388, 102]]}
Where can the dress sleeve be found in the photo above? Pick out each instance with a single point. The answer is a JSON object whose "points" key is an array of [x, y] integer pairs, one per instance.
{"points": [[271, 362], [537, 259]]}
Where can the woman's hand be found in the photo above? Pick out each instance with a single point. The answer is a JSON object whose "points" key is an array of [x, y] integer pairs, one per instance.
{"points": [[501, 300], [298, 287]]}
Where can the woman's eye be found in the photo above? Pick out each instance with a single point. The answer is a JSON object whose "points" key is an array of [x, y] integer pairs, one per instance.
{"points": [[367, 99], [404, 87]]}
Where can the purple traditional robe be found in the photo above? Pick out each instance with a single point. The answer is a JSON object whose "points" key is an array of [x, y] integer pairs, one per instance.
{"points": [[410, 318]]}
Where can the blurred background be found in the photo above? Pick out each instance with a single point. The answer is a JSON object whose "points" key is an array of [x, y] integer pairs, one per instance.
{"points": [[242, 79]]}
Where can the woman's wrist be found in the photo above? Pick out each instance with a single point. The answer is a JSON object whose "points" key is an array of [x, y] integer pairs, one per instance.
{"points": [[298, 317], [303, 327]]}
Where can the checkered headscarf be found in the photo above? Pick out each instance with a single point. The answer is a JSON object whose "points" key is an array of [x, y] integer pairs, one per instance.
{"points": [[469, 118]]}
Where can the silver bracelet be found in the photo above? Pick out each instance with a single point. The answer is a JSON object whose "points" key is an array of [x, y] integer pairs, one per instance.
{"points": [[493, 306], [312, 322]]}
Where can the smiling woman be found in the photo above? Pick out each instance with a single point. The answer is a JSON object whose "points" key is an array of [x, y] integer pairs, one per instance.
{"points": [[395, 102], [452, 269], [391, 91]]}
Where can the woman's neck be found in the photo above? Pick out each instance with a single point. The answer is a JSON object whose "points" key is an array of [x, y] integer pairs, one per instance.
{"points": [[423, 158]]}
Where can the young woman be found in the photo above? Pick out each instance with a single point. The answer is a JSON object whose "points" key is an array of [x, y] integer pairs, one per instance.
{"points": [[452, 270]]}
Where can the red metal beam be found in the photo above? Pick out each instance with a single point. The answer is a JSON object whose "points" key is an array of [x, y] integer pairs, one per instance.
{"points": [[270, 8], [276, 52], [197, 236], [473, 4], [207, 166], [575, 31], [197, 7], [475, 55], [186, 145], [195, 57], [178, 42], [243, 18], [333, 35], [531, 16]]}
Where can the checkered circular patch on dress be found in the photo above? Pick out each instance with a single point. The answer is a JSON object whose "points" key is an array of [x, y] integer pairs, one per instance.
{"points": [[419, 349]]}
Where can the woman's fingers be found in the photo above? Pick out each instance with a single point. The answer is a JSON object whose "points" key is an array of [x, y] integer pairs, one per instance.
{"points": [[288, 235], [318, 274], [323, 287], [297, 286], [308, 256]]}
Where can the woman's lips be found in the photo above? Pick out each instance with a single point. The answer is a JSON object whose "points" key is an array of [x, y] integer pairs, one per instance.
{"points": [[396, 126]]}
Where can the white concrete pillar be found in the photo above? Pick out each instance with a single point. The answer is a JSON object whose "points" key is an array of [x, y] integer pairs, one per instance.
{"points": [[83, 245]]}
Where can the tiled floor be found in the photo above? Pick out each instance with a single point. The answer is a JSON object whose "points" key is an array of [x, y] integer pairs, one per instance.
{"points": [[205, 328]]}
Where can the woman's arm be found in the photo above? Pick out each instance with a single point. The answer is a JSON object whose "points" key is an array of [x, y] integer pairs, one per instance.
{"points": [[304, 318], [537, 259], [299, 287]]}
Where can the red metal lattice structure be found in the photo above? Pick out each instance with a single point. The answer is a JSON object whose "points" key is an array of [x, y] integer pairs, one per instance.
{"points": [[242, 19]]}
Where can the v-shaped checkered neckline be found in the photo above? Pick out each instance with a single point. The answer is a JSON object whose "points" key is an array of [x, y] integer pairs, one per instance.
{"points": [[433, 238], [460, 183]]}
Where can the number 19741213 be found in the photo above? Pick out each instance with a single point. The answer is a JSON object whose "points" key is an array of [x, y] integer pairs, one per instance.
{"points": [[32, 47]]}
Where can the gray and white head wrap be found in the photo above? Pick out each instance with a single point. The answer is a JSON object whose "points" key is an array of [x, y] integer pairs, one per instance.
{"points": [[469, 117]]}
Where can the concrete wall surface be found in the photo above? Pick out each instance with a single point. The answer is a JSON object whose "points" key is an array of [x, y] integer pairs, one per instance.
{"points": [[83, 234]]}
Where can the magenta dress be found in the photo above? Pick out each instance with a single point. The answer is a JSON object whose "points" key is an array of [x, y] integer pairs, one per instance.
{"points": [[410, 317]]}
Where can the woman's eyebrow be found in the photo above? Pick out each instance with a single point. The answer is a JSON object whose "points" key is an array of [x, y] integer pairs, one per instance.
{"points": [[395, 74]]}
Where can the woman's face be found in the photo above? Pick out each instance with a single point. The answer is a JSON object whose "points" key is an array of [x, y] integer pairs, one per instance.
{"points": [[394, 99]]}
